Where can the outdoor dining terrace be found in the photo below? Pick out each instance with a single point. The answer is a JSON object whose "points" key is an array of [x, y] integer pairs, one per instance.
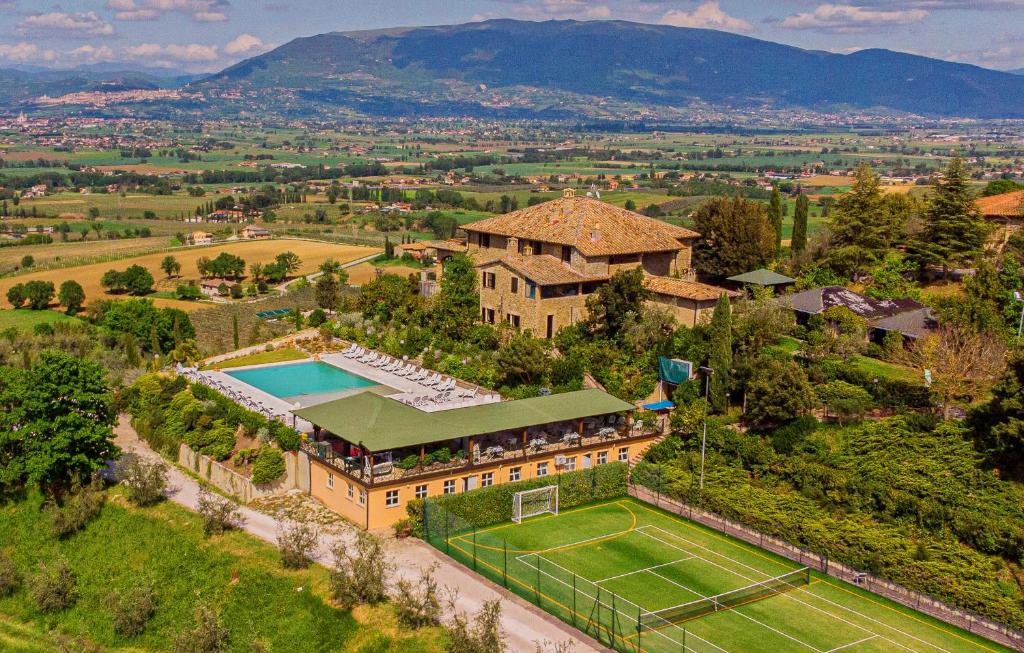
{"points": [[393, 445]]}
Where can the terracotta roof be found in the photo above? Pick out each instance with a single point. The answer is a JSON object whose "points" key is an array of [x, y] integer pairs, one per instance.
{"points": [[1005, 204], [594, 227], [686, 289], [544, 270]]}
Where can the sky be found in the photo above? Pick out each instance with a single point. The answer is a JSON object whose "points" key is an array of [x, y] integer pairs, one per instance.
{"points": [[193, 36]]}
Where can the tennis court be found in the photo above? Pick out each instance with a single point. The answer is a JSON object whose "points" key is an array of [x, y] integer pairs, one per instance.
{"points": [[644, 580]]}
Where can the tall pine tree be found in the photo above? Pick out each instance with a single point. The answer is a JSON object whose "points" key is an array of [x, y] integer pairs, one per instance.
{"points": [[860, 235], [720, 356], [954, 232], [799, 241], [775, 215]]}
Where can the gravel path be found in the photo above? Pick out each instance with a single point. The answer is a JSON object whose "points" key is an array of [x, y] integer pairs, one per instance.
{"points": [[524, 624]]}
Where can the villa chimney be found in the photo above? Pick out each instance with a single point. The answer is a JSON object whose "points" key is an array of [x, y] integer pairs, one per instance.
{"points": [[568, 193]]}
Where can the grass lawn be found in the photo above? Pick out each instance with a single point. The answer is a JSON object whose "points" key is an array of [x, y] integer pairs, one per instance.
{"points": [[637, 578], [886, 369], [237, 574], [25, 320], [262, 358]]}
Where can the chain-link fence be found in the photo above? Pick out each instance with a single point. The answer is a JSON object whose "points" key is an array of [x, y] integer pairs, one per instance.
{"points": [[923, 603], [610, 619]]}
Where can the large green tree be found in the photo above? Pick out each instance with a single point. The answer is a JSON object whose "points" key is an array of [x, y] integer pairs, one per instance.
{"points": [[457, 304], [798, 243], [954, 231], [328, 292], [71, 296], [736, 237], [524, 359], [39, 294], [860, 231], [998, 425], [55, 423], [720, 358], [778, 392], [616, 303]]}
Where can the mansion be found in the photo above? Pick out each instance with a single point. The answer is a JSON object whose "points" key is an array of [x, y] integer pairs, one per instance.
{"points": [[538, 265]]}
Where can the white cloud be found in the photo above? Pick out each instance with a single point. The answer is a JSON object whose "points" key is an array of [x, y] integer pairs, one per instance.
{"points": [[707, 16], [25, 52], [848, 19], [245, 44], [93, 54], [575, 9], [203, 11], [86, 24], [157, 54]]}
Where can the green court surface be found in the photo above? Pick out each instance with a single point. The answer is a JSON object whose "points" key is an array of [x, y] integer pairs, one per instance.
{"points": [[644, 580]]}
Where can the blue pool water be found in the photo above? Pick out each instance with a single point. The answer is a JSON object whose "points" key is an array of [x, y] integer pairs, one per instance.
{"points": [[297, 379]]}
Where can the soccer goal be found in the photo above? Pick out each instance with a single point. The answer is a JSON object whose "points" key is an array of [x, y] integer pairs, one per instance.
{"points": [[530, 503]]}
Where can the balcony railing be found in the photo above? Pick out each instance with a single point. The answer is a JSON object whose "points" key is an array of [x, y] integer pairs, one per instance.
{"points": [[388, 472]]}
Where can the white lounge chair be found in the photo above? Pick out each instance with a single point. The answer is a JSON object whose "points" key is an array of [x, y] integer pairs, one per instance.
{"points": [[351, 348], [432, 381], [382, 361], [392, 366], [404, 370], [418, 376], [370, 358]]}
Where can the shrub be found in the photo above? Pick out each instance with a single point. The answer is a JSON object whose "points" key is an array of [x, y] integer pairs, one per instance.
{"points": [[144, 481], [296, 541], [218, 514], [217, 442], [417, 604], [10, 579], [286, 438], [132, 610], [481, 635], [53, 587], [358, 574], [209, 635], [79, 508], [268, 465], [790, 437]]}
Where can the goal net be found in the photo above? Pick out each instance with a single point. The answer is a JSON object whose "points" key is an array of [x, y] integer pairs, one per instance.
{"points": [[530, 503]]}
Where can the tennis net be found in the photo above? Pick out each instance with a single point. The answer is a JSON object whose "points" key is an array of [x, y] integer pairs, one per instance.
{"points": [[726, 600]]}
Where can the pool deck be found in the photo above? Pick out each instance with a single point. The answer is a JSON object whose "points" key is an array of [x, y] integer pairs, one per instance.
{"points": [[386, 384]]}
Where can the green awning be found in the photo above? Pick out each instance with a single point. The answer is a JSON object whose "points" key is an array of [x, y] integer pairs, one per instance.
{"points": [[383, 424], [762, 277]]}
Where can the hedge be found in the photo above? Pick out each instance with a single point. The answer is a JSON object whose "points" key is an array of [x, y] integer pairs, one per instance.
{"points": [[493, 505]]}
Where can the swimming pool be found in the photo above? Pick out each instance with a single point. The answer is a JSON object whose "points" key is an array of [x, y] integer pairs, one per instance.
{"points": [[300, 379]]}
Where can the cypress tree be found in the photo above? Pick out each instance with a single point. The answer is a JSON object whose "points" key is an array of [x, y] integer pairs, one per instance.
{"points": [[775, 215], [234, 329], [799, 240], [720, 357]]}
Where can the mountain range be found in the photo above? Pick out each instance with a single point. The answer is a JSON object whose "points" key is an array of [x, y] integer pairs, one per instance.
{"points": [[598, 69]]}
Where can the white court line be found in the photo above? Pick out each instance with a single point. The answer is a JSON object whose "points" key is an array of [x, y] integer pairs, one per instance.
{"points": [[745, 616], [656, 631], [640, 571], [788, 595], [859, 641]]}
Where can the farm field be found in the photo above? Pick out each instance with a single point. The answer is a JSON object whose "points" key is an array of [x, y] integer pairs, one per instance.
{"points": [[644, 580], [58, 254], [25, 320], [311, 253]]}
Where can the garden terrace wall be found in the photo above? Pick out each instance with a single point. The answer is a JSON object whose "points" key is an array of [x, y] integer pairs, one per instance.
{"points": [[296, 475], [923, 603]]}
